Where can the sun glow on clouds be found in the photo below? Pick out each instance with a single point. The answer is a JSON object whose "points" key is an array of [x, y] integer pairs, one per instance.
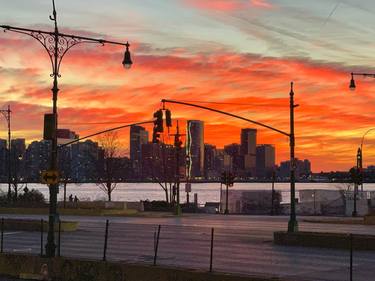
{"points": [[95, 88]]}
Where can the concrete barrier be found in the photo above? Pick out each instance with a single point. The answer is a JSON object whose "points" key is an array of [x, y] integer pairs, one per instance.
{"points": [[86, 270], [324, 240]]}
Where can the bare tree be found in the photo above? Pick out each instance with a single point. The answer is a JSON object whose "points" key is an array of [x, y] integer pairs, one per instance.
{"points": [[110, 145]]}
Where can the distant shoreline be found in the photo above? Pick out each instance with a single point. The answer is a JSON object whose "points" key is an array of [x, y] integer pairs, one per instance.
{"points": [[202, 181]]}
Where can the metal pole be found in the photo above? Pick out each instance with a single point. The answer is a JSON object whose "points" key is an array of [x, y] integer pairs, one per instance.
{"points": [[292, 224], [221, 191], [59, 240], [226, 212], [354, 213], [105, 241], [2, 236], [41, 236], [9, 159], [212, 248], [351, 255], [177, 144], [157, 245], [273, 193], [64, 194]]}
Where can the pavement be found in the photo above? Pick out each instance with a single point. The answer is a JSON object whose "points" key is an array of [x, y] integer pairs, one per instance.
{"points": [[242, 244]]}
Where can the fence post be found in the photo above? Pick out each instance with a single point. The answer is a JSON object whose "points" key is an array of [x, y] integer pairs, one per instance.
{"points": [[157, 245], [105, 241], [41, 237], [351, 255], [59, 240], [212, 248], [2, 235]]}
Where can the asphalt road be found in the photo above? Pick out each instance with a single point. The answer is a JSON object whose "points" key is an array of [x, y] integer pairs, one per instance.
{"points": [[242, 244]]}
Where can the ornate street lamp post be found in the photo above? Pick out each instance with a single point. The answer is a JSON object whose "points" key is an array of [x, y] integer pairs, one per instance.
{"points": [[57, 45]]}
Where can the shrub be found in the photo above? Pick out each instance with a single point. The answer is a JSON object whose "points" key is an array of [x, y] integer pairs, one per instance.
{"points": [[158, 206]]}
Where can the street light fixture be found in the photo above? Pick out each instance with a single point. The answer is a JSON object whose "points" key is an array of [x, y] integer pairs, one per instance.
{"points": [[352, 85], [127, 62], [57, 45]]}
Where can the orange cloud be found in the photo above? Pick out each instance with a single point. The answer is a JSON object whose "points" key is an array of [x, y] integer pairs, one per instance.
{"points": [[217, 5], [94, 88]]}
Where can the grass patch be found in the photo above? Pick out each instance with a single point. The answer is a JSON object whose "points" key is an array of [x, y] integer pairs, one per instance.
{"points": [[36, 225]]}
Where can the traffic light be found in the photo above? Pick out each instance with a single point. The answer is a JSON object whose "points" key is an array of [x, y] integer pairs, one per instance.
{"points": [[158, 126], [155, 137], [168, 118], [158, 122], [227, 178]]}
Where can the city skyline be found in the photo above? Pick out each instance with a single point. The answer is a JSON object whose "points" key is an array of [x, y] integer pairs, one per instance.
{"points": [[247, 158], [250, 52]]}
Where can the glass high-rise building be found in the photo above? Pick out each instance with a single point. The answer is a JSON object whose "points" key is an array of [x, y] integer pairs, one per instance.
{"points": [[248, 149], [138, 136]]}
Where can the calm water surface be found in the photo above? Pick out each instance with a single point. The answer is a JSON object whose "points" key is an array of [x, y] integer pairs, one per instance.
{"points": [[207, 192]]}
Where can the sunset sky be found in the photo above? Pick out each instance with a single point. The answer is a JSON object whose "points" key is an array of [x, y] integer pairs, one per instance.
{"points": [[241, 53]]}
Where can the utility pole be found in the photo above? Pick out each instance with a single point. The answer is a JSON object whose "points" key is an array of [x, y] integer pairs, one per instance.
{"points": [[177, 144], [7, 114], [292, 224], [357, 179], [273, 193]]}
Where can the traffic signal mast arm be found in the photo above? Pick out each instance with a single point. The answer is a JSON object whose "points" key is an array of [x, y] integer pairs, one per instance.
{"points": [[226, 113], [364, 74]]}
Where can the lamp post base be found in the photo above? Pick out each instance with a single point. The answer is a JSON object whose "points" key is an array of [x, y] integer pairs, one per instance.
{"points": [[292, 226]]}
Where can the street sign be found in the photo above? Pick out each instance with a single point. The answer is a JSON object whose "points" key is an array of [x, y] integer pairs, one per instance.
{"points": [[50, 177]]}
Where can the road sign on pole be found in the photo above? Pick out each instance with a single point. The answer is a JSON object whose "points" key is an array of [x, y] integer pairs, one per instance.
{"points": [[50, 177]]}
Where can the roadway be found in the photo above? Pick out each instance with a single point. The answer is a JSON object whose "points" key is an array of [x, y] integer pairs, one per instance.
{"points": [[242, 244]]}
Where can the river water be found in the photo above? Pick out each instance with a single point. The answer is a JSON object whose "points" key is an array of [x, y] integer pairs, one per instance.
{"points": [[207, 192]]}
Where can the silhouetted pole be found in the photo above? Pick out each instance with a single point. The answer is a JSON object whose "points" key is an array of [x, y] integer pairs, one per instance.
{"points": [[177, 143], [273, 193], [292, 224], [356, 183]]}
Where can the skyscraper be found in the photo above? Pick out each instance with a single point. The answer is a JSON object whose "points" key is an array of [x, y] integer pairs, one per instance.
{"points": [[248, 149], [195, 148], [138, 136], [265, 160]]}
